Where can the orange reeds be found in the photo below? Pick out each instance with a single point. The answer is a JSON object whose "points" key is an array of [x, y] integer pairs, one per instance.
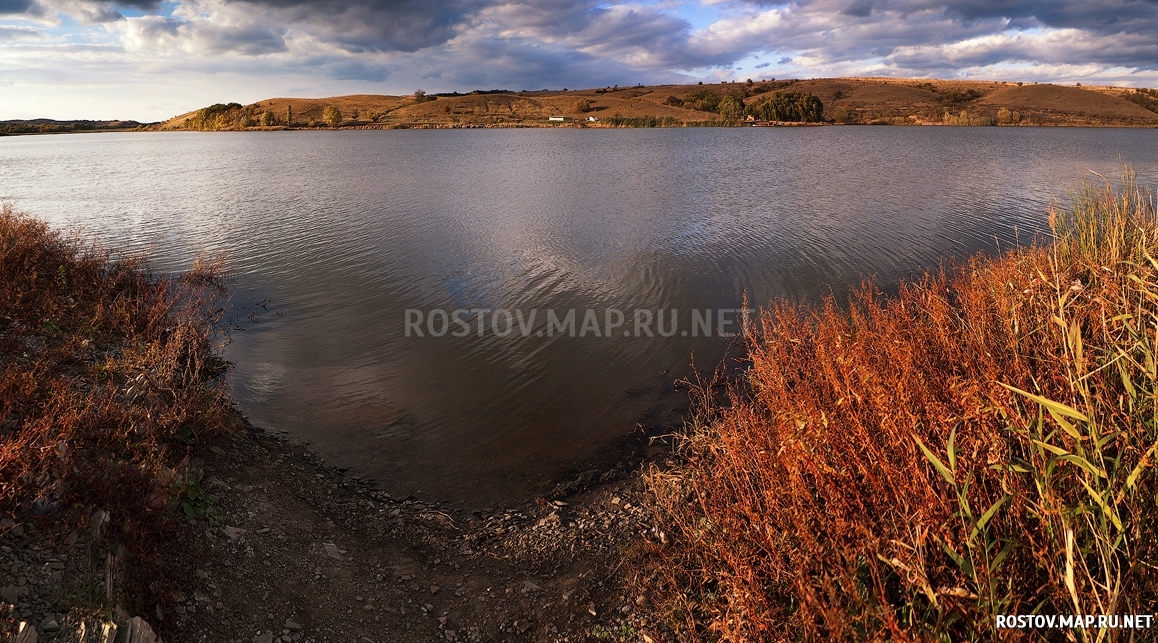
{"points": [[909, 468]]}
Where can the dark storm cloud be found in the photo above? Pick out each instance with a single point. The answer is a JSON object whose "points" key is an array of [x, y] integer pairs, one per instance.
{"points": [[1104, 16], [15, 7], [359, 26], [944, 36]]}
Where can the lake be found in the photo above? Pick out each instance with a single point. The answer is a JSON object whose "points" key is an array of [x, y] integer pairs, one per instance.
{"points": [[338, 239]]}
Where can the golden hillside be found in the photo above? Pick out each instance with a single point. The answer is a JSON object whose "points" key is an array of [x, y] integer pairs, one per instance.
{"points": [[845, 100]]}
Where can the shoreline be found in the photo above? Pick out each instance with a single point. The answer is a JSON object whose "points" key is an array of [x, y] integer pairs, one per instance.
{"points": [[471, 126], [333, 558]]}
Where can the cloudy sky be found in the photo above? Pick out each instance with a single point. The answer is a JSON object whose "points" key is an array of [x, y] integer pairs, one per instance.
{"points": [[152, 59]]}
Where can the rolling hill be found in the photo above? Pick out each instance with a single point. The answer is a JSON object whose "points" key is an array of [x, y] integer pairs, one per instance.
{"points": [[845, 100]]}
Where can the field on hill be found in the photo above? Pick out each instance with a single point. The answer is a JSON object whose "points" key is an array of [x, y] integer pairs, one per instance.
{"points": [[878, 101]]}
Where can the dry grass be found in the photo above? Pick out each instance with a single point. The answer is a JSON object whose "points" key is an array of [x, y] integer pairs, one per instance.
{"points": [[908, 468], [107, 376]]}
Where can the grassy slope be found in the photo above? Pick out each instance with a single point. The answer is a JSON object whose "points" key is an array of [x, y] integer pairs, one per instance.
{"points": [[866, 99]]}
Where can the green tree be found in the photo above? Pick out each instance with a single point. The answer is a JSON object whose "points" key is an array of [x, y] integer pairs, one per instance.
{"points": [[332, 116], [731, 108], [703, 100], [796, 107], [267, 118], [289, 114]]}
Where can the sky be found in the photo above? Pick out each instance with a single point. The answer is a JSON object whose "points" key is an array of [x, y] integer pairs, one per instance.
{"points": [[149, 60]]}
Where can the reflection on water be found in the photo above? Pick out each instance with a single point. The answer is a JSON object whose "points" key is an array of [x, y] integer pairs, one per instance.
{"points": [[344, 231]]}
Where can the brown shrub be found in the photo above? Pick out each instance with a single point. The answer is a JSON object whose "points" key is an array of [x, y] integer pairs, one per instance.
{"points": [[873, 476], [108, 375]]}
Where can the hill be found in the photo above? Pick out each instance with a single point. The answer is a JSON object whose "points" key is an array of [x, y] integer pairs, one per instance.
{"points": [[845, 100], [49, 126]]}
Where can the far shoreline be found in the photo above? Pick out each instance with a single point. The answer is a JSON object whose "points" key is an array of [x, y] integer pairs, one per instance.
{"points": [[763, 103]]}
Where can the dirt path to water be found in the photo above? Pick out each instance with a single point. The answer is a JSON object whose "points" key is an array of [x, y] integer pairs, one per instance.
{"points": [[304, 553]]}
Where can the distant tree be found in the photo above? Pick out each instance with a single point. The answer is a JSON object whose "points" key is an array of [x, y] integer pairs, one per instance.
{"points": [[964, 118], [245, 121], [1006, 117], [267, 118], [731, 108], [703, 100], [748, 82], [354, 115], [289, 114], [956, 98], [674, 102], [332, 116], [799, 107], [420, 96], [1146, 98], [217, 116], [582, 105]]}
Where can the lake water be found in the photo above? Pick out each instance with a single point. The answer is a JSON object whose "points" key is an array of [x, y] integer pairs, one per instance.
{"points": [[340, 233]]}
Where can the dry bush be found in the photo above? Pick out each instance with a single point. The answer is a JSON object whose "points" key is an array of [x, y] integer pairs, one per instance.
{"points": [[908, 468], [108, 375]]}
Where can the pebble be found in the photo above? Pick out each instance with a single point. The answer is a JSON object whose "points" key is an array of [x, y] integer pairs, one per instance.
{"points": [[49, 624], [11, 593], [291, 626]]}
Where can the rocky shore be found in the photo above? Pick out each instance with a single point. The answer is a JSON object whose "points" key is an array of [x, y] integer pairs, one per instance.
{"points": [[291, 550]]}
